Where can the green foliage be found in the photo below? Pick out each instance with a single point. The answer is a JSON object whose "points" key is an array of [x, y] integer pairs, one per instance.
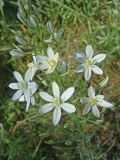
{"points": [[32, 136]]}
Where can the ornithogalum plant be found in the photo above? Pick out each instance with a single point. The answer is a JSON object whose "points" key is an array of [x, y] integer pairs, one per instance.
{"points": [[46, 67]]}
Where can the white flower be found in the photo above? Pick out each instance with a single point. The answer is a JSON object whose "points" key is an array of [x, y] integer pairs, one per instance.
{"points": [[57, 102], [23, 86], [32, 99], [88, 62], [34, 66], [49, 63], [93, 101]]}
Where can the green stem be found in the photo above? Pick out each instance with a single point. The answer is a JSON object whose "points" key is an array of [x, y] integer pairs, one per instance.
{"points": [[60, 78]]}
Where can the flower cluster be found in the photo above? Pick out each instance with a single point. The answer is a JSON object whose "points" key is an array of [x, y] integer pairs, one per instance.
{"points": [[26, 88]]}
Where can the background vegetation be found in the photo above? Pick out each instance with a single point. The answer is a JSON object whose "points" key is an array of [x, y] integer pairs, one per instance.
{"points": [[29, 136]]}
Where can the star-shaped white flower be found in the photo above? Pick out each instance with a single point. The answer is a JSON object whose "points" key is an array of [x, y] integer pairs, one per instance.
{"points": [[34, 66], [57, 102], [93, 101], [49, 63], [88, 62], [32, 99], [23, 86]]}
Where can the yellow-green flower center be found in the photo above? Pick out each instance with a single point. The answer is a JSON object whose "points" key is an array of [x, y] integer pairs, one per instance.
{"points": [[32, 65], [22, 85], [93, 100], [88, 62], [57, 101], [51, 63]]}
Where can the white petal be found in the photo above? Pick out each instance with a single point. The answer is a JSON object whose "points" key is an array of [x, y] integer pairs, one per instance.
{"points": [[67, 94], [14, 85], [78, 55], [42, 59], [56, 56], [43, 66], [30, 71], [95, 111], [56, 115], [46, 96], [34, 59], [98, 58], [67, 107], [46, 108], [91, 91], [37, 59], [80, 58], [80, 68], [89, 51], [27, 95], [86, 109], [17, 95], [105, 104], [22, 98], [32, 86], [33, 71], [99, 97], [84, 100], [27, 106], [18, 76], [50, 52], [33, 101], [50, 70], [33, 90], [28, 75], [97, 70], [55, 89], [87, 74]]}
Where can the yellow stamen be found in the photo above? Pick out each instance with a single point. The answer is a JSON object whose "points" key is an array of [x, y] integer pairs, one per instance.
{"points": [[93, 100], [56, 101], [51, 63], [32, 65], [22, 85], [88, 62]]}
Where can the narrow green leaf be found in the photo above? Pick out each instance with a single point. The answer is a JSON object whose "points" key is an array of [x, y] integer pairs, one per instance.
{"points": [[33, 21], [16, 54], [51, 27], [58, 35], [20, 40]]}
